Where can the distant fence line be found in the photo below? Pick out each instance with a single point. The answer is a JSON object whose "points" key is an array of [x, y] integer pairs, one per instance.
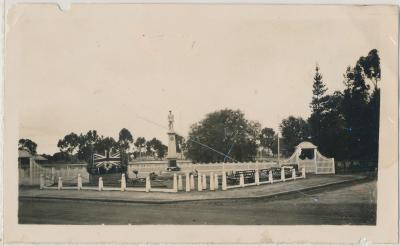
{"points": [[31, 175]]}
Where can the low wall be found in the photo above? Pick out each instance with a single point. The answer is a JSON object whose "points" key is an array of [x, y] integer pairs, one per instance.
{"points": [[144, 168]]}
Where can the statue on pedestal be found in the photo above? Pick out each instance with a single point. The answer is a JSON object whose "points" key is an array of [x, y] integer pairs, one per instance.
{"points": [[171, 141]]}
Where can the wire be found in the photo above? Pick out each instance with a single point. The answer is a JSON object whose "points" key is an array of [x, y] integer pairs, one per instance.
{"points": [[204, 145]]}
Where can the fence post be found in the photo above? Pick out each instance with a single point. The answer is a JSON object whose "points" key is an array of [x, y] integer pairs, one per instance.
{"points": [[175, 184], [303, 172], [204, 183], [123, 182], [148, 184], [241, 180], [100, 183], [79, 182], [315, 161], [31, 167], [293, 174], [224, 187], [41, 181], [212, 181], [216, 184], [180, 184], [257, 178], [191, 181], [283, 174], [53, 175], [59, 183], [199, 185], [270, 177], [333, 165], [187, 181]]}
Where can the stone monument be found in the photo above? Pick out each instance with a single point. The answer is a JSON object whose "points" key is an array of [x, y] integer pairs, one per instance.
{"points": [[171, 141]]}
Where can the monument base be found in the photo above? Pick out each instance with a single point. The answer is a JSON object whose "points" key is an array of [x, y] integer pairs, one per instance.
{"points": [[172, 163]]}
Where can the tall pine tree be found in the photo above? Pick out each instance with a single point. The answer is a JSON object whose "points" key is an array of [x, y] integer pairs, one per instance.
{"points": [[317, 106]]}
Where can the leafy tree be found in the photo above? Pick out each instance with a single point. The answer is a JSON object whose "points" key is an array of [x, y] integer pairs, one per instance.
{"points": [[223, 135], [282, 146], [294, 131], [69, 143], [106, 145], [125, 139], [27, 144], [373, 136], [349, 120], [149, 149], [87, 144], [332, 128], [61, 157], [157, 147], [371, 67], [180, 143], [355, 111], [161, 150], [140, 143], [267, 137]]}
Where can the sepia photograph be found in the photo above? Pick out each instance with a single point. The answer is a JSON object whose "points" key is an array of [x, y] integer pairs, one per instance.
{"points": [[185, 114]]}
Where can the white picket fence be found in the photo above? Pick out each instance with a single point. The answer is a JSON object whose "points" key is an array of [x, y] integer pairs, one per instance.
{"points": [[190, 184]]}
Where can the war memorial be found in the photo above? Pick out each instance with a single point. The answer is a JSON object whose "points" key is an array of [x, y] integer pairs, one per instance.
{"points": [[175, 176]]}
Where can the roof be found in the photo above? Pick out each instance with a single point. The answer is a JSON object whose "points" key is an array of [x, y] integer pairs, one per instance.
{"points": [[40, 158], [306, 145], [24, 153]]}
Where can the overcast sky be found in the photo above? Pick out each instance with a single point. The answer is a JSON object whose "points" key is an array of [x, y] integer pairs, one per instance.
{"points": [[106, 67]]}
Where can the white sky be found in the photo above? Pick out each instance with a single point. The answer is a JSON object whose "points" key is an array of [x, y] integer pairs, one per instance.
{"points": [[106, 67]]}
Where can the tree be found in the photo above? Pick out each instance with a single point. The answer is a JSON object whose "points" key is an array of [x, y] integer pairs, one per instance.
{"points": [[317, 106], [332, 128], [69, 143], [371, 67], [372, 71], [274, 146], [373, 136], [86, 147], [140, 143], [27, 144], [106, 145], [267, 137], [348, 121], [161, 150], [355, 111], [149, 149], [157, 147], [61, 157], [223, 135], [294, 131], [125, 139], [180, 143]]}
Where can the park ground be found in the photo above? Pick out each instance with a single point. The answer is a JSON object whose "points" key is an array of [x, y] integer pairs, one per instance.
{"points": [[350, 201]]}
